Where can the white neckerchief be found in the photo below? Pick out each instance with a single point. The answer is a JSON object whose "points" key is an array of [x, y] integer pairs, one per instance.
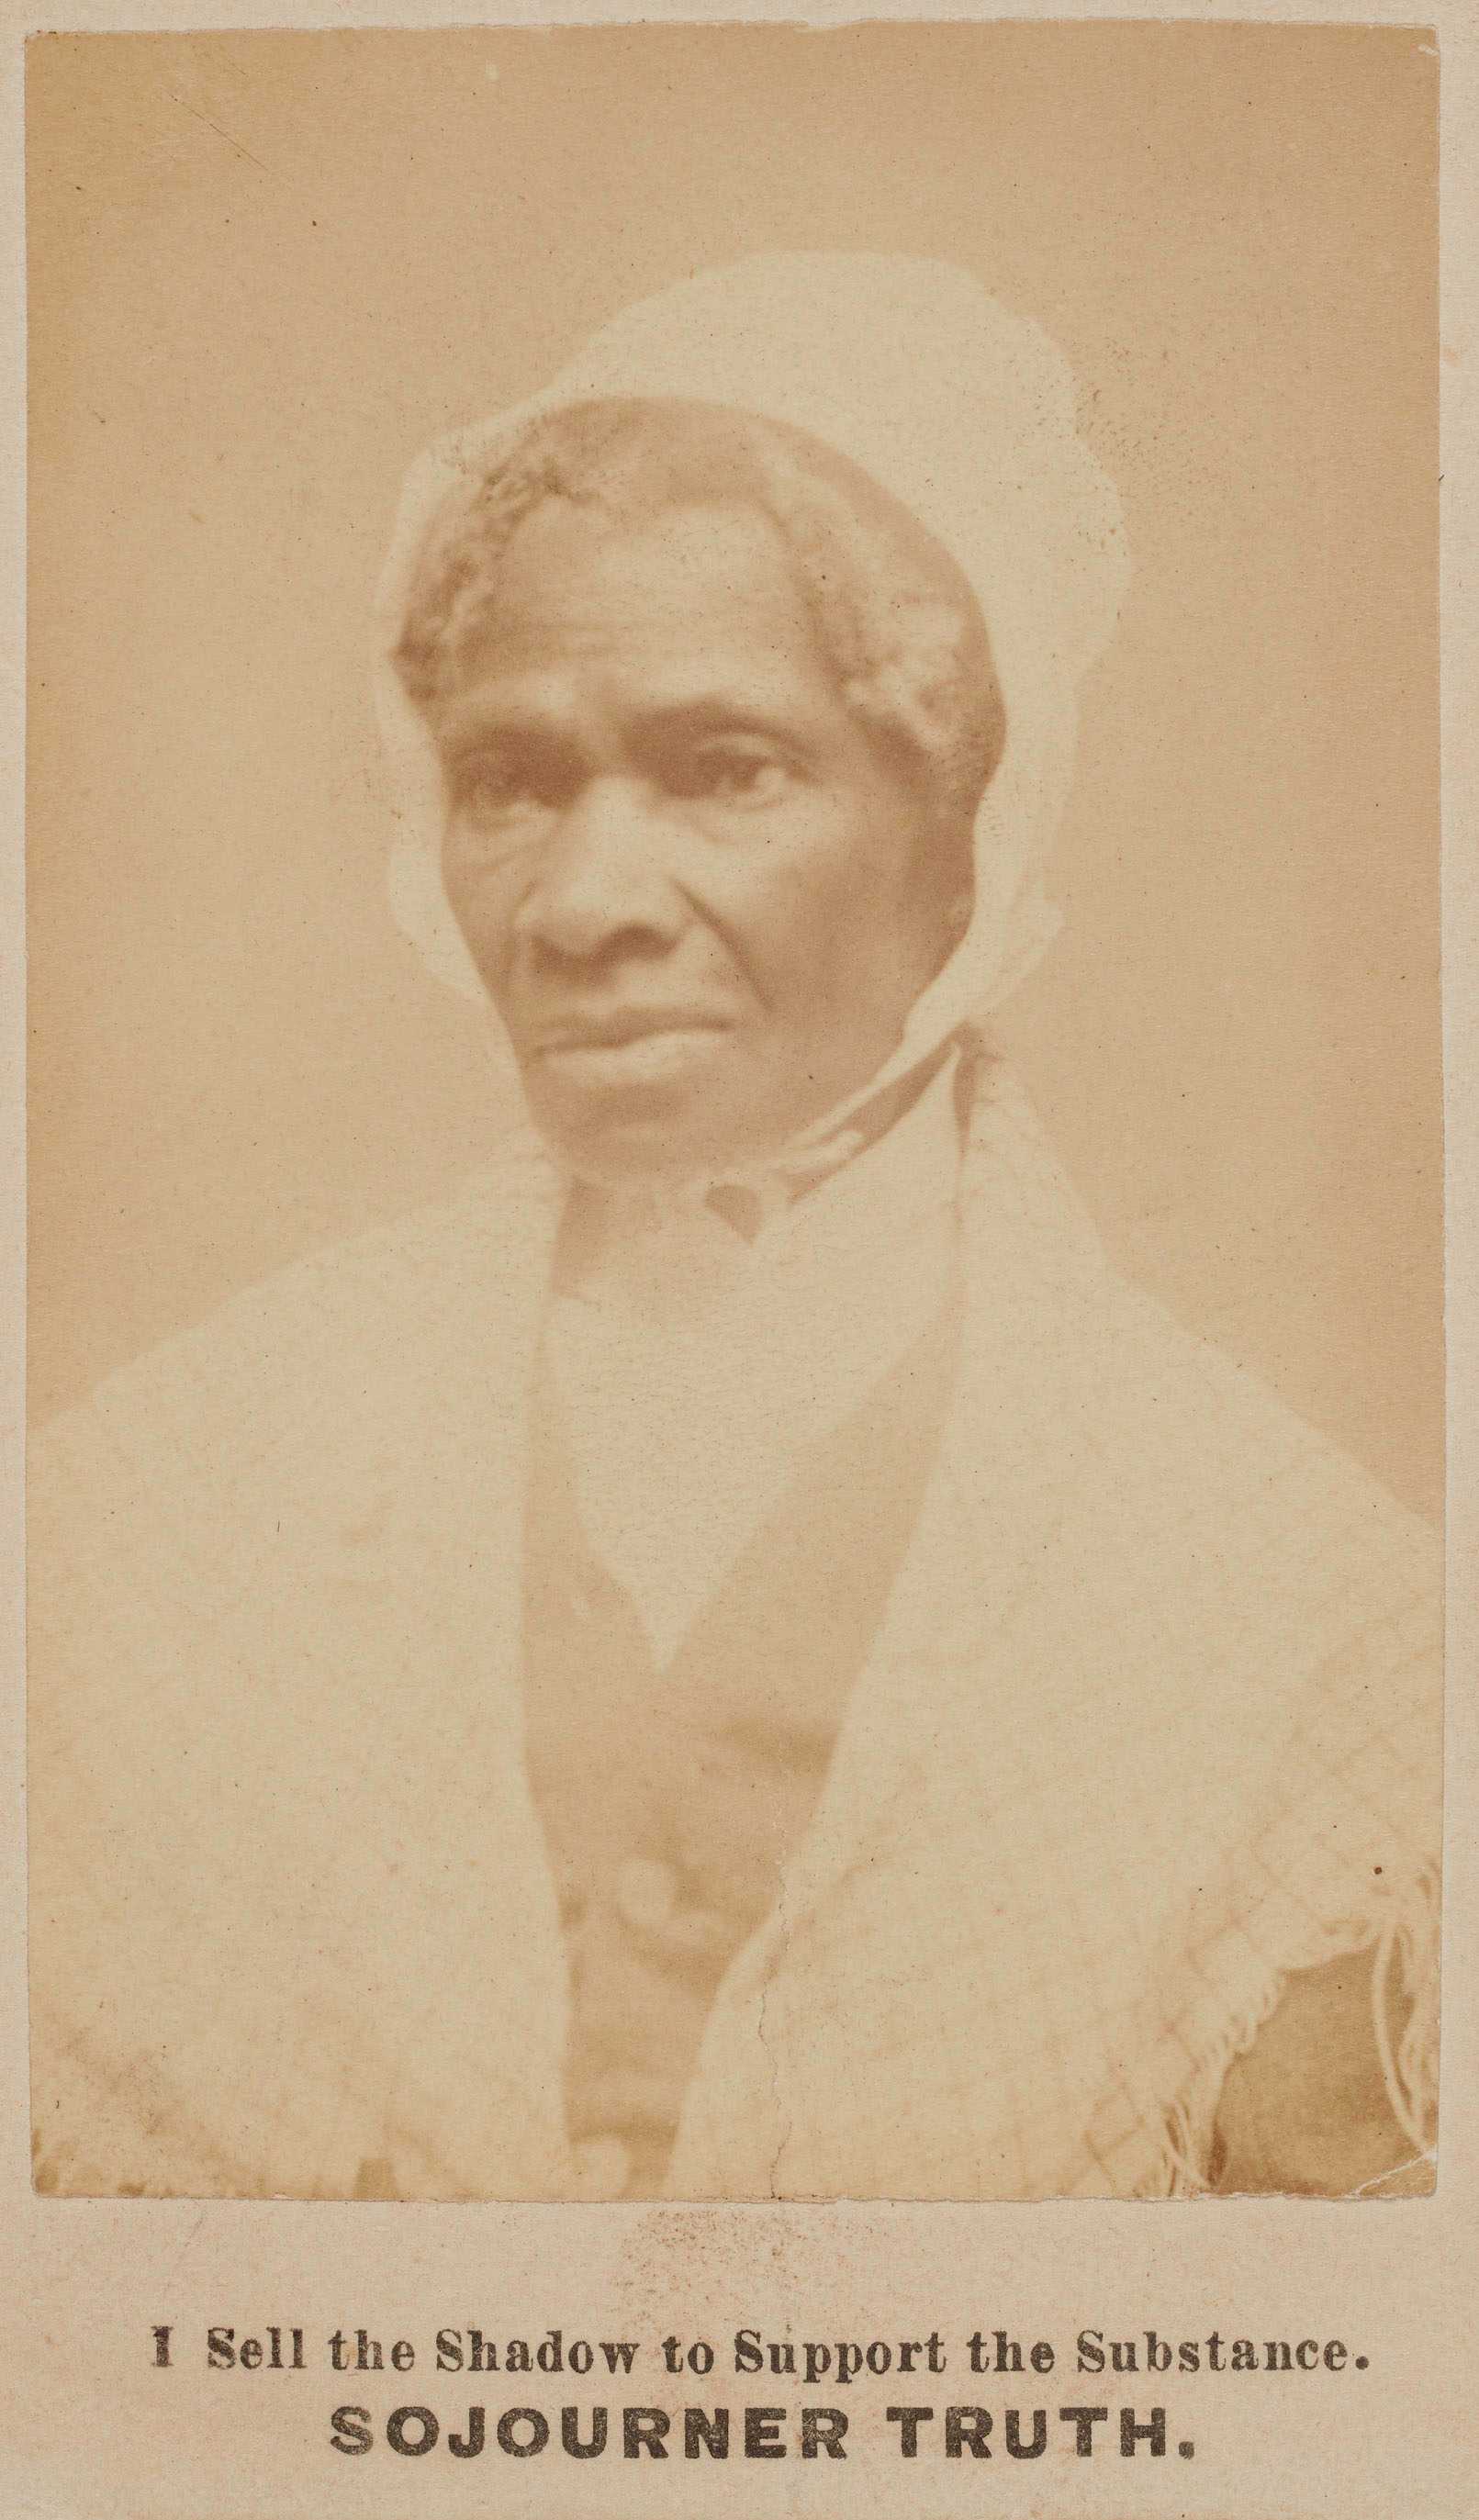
{"points": [[694, 1367]]}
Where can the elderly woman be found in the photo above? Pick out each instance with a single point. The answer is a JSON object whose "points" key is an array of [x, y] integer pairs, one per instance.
{"points": [[736, 1659]]}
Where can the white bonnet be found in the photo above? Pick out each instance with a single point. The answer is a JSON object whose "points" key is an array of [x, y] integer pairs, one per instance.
{"points": [[967, 414]]}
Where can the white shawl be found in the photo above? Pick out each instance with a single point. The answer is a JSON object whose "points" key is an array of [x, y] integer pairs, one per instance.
{"points": [[1150, 1720]]}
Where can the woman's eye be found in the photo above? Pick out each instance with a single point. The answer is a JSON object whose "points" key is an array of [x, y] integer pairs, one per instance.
{"points": [[490, 790], [739, 774]]}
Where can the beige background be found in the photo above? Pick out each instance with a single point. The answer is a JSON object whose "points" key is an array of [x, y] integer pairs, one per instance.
{"points": [[265, 270], [87, 2432]]}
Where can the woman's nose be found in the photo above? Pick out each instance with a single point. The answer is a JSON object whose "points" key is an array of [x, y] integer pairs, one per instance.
{"points": [[601, 875]]}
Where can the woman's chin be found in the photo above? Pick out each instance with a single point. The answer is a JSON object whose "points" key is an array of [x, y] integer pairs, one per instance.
{"points": [[652, 1149], [664, 1117]]}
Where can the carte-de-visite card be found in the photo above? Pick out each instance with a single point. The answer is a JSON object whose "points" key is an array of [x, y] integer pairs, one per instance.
{"points": [[736, 1466]]}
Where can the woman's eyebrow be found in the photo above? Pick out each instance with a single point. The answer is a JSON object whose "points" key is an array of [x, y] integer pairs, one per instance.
{"points": [[508, 728], [716, 713]]}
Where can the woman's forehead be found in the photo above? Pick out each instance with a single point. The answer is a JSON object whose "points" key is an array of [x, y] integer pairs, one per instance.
{"points": [[573, 584]]}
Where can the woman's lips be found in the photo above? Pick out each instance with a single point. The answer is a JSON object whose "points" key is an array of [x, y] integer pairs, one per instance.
{"points": [[629, 1050], [614, 1028]]}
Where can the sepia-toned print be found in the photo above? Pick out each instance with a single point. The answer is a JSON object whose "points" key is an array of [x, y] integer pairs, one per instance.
{"points": [[738, 1654]]}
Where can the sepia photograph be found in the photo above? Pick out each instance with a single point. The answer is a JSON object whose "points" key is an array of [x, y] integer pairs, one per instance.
{"points": [[735, 1485]]}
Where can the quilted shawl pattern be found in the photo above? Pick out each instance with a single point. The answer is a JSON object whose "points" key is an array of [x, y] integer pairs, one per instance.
{"points": [[1150, 1719]]}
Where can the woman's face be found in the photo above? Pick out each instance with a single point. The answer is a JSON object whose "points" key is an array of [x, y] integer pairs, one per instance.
{"points": [[699, 893]]}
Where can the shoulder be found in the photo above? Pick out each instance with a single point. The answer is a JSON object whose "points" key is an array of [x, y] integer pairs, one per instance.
{"points": [[234, 1531], [277, 1415], [1263, 1614], [411, 1270], [1178, 1443]]}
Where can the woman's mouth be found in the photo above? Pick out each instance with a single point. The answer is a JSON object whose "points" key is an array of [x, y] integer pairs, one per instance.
{"points": [[636, 1047]]}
